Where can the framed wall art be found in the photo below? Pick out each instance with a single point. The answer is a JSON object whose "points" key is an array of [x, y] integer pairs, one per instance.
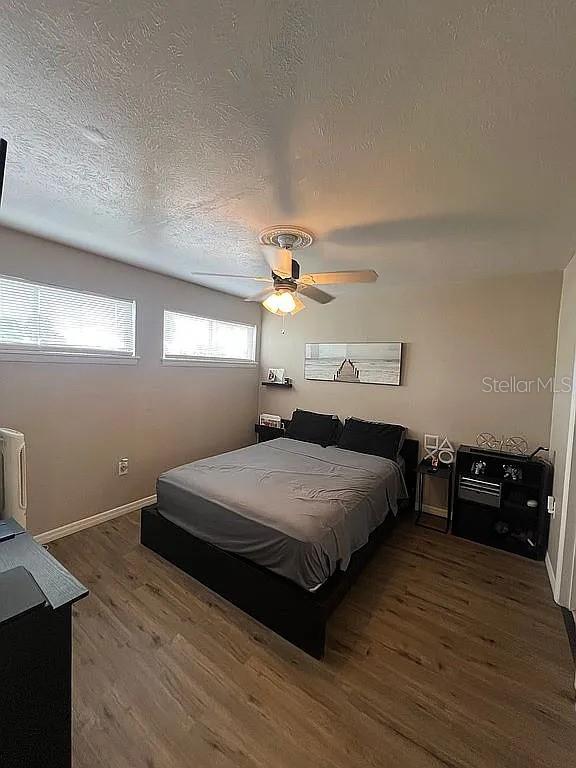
{"points": [[356, 362]]}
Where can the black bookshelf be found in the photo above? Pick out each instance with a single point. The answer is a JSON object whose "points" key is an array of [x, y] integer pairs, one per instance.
{"points": [[504, 505]]}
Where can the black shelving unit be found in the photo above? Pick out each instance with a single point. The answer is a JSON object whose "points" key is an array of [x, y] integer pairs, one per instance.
{"points": [[492, 508]]}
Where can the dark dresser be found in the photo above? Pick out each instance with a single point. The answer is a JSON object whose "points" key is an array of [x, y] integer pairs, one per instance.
{"points": [[36, 598]]}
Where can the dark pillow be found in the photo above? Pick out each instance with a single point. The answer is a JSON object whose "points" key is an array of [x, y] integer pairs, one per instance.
{"points": [[372, 437], [313, 427]]}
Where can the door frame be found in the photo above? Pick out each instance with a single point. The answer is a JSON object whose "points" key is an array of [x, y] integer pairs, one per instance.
{"points": [[564, 581]]}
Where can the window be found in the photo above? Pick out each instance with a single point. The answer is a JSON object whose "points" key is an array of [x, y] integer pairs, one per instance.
{"points": [[198, 338], [45, 318]]}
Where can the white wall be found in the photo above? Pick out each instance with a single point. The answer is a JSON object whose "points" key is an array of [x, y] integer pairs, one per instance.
{"points": [[79, 419]]}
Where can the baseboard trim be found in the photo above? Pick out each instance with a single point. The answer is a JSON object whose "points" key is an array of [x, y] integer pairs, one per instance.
{"points": [[551, 574], [89, 522], [430, 509]]}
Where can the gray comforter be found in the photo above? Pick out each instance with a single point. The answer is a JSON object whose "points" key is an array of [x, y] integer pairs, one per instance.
{"points": [[296, 508]]}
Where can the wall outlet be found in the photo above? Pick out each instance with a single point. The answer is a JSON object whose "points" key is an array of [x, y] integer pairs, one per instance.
{"points": [[123, 466]]}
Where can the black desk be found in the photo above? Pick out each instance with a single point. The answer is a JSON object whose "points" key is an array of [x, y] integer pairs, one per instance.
{"points": [[36, 597]]}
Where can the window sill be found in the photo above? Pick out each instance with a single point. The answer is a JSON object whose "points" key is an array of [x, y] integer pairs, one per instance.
{"points": [[190, 363], [65, 357]]}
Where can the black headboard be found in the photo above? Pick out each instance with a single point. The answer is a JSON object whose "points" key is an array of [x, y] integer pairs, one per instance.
{"points": [[410, 451]]}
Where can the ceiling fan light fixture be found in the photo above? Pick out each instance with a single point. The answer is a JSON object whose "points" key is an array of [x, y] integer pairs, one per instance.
{"points": [[280, 303], [284, 298], [299, 305]]}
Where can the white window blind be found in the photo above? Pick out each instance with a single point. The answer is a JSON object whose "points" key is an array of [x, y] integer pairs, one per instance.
{"points": [[45, 318], [200, 338]]}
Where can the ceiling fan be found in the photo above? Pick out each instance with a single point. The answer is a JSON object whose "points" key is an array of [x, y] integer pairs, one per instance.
{"points": [[286, 285]]}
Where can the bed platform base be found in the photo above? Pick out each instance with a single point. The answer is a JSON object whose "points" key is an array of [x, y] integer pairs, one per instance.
{"points": [[289, 610]]}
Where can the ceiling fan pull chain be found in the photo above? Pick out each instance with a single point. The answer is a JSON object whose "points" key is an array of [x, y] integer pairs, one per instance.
{"points": [[283, 331]]}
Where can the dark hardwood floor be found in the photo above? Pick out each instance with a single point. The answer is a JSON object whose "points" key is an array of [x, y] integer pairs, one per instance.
{"points": [[444, 654]]}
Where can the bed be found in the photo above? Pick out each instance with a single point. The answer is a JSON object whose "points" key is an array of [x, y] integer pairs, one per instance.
{"points": [[281, 528]]}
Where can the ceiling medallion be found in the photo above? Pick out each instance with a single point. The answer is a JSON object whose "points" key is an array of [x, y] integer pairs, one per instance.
{"points": [[286, 236]]}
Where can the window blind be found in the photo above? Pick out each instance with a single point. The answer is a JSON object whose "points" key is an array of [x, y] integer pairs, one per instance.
{"points": [[191, 337], [46, 318]]}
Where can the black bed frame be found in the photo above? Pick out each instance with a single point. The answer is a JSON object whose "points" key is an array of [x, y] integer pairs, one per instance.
{"points": [[289, 610]]}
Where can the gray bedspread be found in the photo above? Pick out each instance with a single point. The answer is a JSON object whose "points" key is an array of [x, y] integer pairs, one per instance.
{"points": [[296, 508]]}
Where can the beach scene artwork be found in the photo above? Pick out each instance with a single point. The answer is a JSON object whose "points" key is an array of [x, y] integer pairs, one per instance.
{"points": [[356, 363]]}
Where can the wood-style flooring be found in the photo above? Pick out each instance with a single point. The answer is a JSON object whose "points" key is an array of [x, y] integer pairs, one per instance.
{"points": [[444, 654]]}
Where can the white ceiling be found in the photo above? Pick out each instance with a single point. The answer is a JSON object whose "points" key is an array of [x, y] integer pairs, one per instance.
{"points": [[427, 140]]}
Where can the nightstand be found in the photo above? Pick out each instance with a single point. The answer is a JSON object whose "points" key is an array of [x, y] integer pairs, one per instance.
{"points": [[444, 472], [268, 433]]}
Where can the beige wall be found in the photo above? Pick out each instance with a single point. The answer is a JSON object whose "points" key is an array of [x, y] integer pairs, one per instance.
{"points": [[80, 418], [559, 434], [454, 336]]}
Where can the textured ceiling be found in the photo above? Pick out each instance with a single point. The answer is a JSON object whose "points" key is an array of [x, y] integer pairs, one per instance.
{"points": [[427, 140]]}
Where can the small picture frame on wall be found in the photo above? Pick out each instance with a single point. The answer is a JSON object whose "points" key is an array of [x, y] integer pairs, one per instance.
{"points": [[276, 375]]}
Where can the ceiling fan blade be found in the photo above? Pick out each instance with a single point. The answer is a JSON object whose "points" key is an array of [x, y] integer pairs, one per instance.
{"points": [[236, 277], [280, 260], [336, 278], [311, 292], [299, 304], [3, 151], [261, 296]]}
